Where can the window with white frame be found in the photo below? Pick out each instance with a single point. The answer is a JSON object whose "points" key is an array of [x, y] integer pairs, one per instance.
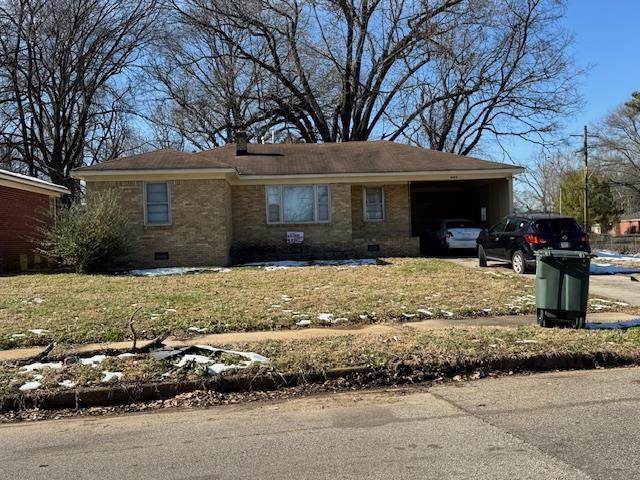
{"points": [[298, 203], [157, 203], [373, 204]]}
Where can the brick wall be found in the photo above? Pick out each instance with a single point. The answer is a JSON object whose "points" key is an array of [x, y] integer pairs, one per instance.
{"points": [[200, 233], [22, 214], [211, 219], [254, 239], [391, 235], [347, 235]]}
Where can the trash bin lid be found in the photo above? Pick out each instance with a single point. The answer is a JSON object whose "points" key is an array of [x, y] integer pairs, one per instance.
{"points": [[548, 252]]}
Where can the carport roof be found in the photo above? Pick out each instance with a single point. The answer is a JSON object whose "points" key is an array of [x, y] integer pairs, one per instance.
{"points": [[370, 157]]}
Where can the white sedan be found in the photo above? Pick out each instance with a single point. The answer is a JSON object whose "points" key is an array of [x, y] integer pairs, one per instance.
{"points": [[455, 234]]}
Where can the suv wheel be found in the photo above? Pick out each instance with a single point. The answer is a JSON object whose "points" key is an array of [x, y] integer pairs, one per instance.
{"points": [[482, 258], [518, 262]]}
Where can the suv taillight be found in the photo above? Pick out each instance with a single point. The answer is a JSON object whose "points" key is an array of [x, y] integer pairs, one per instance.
{"points": [[584, 238], [534, 239]]}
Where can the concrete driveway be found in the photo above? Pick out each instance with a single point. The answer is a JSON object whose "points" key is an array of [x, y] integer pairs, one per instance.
{"points": [[616, 287]]}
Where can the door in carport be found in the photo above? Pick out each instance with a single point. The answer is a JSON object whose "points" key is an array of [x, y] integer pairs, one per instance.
{"points": [[493, 245]]}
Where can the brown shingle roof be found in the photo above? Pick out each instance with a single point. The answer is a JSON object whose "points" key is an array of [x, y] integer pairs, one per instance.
{"points": [[306, 159], [164, 159]]}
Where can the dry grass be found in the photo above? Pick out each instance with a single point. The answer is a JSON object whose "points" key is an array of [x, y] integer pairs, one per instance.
{"points": [[85, 308]]}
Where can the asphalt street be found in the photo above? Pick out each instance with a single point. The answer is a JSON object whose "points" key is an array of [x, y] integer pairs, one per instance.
{"points": [[569, 425]]}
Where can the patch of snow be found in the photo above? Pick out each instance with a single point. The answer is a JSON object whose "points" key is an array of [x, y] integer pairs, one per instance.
{"points": [[109, 376], [620, 257], [326, 318], [409, 315], [610, 269], [126, 355], [39, 331], [447, 313], [218, 368], [170, 311], [424, 311], [487, 310], [92, 361], [280, 265], [192, 357], [39, 366], [38, 377], [37, 300], [353, 262], [67, 384], [303, 323], [197, 329], [525, 341], [18, 335], [30, 386], [160, 272]]}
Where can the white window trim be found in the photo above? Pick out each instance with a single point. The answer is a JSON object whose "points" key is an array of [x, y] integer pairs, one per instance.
{"points": [[364, 204], [144, 205], [315, 204]]}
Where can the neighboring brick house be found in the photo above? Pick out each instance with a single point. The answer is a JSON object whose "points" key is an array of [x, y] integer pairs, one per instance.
{"points": [[26, 204], [629, 224], [244, 202]]}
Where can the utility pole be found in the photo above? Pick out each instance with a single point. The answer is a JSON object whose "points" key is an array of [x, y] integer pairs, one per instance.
{"points": [[586, 180]]}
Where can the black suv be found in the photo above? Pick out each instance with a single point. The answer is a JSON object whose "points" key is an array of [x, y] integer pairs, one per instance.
{"points": [[515, 239]]}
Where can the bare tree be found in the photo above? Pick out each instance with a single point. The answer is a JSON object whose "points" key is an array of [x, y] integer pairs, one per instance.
{"points": [[63, 66], [204, 89], [617, 152], [505, 74], [538, 188], [334, 67], [441, 73]]}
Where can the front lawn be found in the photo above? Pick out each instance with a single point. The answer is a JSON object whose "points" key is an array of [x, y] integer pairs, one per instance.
{"points": [[74, 308]]}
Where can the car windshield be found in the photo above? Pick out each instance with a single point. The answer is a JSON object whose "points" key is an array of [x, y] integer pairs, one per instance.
{"points": [[557, 225], [461, 224]]}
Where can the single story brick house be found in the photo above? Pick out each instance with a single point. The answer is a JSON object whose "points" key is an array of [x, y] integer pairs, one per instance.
{"points": [[26, 205], [245, 202]]}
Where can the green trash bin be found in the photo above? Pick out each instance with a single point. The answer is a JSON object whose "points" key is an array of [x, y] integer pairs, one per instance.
{"points": [[562, 287]]}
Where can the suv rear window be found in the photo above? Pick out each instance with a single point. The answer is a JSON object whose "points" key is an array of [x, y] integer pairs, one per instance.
{"points": [[461, 224], [557, 225]]}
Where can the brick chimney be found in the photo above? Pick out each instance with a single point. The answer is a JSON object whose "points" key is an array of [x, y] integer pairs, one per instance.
{"points": [[241, 142]]}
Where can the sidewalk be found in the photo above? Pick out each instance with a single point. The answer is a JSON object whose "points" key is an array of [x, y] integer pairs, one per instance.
{"points": [[222, 339]]}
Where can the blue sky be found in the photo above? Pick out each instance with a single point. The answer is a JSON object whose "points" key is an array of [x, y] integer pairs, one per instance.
{"points": [[607, 39]]}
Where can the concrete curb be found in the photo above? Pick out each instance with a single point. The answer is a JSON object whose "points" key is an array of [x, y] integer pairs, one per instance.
{"points": [[400, 373]]}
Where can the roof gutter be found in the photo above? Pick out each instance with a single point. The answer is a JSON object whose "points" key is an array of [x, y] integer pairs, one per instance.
{"points": [[232, 176], [33, 185]]}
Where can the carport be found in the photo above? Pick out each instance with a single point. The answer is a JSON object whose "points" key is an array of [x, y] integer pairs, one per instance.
{"points": [[483, 200]]}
